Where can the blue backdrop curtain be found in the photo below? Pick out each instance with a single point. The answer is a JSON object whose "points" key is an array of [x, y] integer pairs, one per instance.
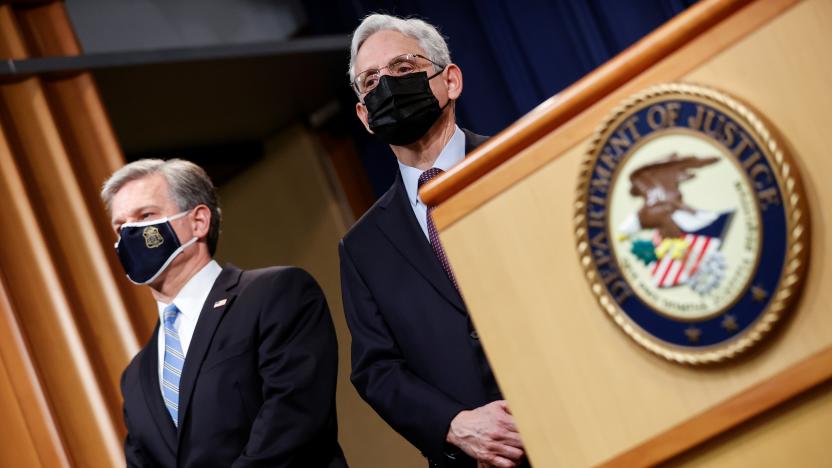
{"points": [[514, 54]]}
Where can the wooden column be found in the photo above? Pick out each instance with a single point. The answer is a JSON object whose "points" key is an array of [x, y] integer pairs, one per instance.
{"points": [[88, 138], [66, 222], [46, 319], [31, 435]]}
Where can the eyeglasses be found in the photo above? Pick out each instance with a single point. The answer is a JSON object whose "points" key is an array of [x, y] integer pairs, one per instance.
{"points": [[402, 65]]}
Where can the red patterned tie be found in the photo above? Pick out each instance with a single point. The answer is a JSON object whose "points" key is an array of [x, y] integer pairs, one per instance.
{"points": [[434, 236]]}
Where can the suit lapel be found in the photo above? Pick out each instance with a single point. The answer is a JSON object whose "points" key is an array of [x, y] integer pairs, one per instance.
{"points": [[472, 140], [399, 224], [210, 317], [153, 393]]}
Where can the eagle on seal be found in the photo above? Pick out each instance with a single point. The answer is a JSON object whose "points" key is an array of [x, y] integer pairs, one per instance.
{"points": [[658, 185]]}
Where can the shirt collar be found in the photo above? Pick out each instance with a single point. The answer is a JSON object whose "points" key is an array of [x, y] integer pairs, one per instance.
{"points": [[452, 153], [192, 297]]}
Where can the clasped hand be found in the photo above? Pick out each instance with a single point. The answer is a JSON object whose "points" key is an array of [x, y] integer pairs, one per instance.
{"points": [[489, 435]]}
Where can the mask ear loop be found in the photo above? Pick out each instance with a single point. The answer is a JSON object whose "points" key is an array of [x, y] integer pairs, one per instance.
{"points": [[448, 102], [434, 76], [172, 256], [179, 215], [437, 73]]}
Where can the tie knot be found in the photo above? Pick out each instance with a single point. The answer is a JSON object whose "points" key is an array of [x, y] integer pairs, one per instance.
{"points": [[428, 175], [171, 312]]}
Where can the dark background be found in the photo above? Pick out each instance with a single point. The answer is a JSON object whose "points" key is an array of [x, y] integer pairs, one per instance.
{"points": [[209, 79], [513, 54]]}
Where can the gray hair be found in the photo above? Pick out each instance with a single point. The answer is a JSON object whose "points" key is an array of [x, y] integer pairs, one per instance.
{"points": [[430, 39], [188, 184]]}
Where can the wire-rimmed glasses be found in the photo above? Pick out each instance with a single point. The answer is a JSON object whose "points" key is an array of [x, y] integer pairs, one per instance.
{"points": [[401, 65]]}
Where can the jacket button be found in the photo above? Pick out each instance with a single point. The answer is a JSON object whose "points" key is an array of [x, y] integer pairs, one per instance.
{"points": [[474, 335]]}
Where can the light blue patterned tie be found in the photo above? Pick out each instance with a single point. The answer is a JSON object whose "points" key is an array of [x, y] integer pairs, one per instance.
{"points": [[174, 360]]}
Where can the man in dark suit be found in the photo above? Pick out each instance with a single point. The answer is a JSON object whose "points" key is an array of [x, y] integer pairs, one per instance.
{"points": [[241, 368], [416, 358]]}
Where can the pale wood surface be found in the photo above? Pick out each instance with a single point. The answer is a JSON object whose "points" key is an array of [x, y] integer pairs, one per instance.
{"points": [[739, 411], [581, 390], [794, 435]]}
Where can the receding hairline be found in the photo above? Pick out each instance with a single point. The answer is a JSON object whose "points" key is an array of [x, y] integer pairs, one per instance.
{"points": [[115, 185], [396, 31], [115, 218], [154, 175], [430, 39]]}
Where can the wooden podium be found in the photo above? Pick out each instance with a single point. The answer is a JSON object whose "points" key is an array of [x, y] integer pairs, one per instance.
{"points": [[582, 391]]}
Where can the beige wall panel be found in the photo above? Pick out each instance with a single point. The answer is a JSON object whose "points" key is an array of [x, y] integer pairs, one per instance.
{"points": [[565, 367], [282, 211]]}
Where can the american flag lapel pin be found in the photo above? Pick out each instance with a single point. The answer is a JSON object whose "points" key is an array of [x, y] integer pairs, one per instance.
{"points": [[220, 303]]}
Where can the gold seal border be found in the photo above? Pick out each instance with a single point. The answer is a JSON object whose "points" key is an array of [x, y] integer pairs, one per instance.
{"points": [[797, 221]]}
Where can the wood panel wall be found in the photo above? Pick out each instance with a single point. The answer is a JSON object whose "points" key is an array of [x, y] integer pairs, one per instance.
{"points": [[69, 319]]}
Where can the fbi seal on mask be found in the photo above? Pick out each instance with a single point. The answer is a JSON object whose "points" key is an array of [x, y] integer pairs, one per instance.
{"points": [[152, 237], [691, 223]]}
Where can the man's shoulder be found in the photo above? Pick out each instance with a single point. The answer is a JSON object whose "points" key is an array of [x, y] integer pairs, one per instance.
{"points": [[130, 375], [473, 140], [274, 275], [367, 221]]}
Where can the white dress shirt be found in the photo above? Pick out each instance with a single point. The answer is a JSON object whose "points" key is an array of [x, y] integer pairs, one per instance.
{"points": [[189, 301], [451, 154]]}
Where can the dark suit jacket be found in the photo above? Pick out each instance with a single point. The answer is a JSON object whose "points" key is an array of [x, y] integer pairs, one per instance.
{"points": [[258, 383], [416, 358]]}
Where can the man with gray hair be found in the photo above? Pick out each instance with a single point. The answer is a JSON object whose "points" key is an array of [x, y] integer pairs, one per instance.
{"points": [[240, 370], [416, 357]]}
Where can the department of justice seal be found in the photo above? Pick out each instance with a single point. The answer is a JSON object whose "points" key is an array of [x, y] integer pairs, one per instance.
{"points": [[691, 223]]}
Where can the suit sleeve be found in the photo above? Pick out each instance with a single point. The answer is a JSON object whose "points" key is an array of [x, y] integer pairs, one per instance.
{"points": [[298, 362], [414, 408], [133, 454]]}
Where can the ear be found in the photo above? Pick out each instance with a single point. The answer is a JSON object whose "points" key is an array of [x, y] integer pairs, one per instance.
{"points": [[201, 221], [361, 112], [453, 80]]}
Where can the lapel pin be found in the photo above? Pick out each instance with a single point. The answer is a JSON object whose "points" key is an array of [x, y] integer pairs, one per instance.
{"points": [[220, 303]]}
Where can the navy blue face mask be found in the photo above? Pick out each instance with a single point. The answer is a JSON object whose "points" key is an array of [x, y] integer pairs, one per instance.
{"points": [[146, 248]]}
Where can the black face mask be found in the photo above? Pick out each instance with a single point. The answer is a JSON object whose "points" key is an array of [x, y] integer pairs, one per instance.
{"points": [[146, 248], [402, 108]]}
